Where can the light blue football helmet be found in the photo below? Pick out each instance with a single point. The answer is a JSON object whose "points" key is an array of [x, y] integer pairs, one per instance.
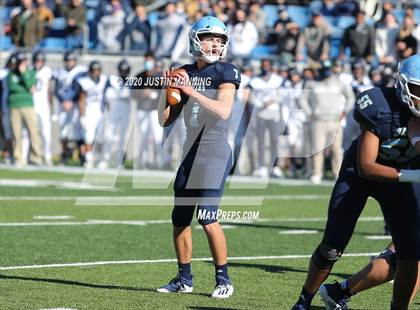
{"points": [[207, 25], [409, 73]]}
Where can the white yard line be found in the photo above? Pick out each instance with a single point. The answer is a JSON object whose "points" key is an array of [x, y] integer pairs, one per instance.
{"points": [[169, 260], [380, 237], [298, 232], [167, 221], [53, 217], [70, 185], [237, 181], [143, 200]]}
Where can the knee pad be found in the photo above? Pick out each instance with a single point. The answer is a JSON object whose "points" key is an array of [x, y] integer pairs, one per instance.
{"points": [[325, 256], [182, 216]]}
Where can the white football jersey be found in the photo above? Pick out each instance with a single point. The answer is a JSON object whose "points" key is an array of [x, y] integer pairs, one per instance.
{"points": [[40, 95], [64, 78], [94, 90], [117, 94]]}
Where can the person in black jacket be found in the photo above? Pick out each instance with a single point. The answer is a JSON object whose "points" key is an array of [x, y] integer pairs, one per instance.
{"points": [[360, 38]]}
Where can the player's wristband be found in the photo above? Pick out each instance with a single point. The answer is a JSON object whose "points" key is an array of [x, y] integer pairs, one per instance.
{"points": [[414, 140], [409, 176]]}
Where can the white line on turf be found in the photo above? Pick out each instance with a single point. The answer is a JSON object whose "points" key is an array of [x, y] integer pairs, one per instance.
{"points": [[144, 200], [153, 222], [53, 217], [298, 232], [155, 174], [169, 260], [379, 237], [70, 185]]}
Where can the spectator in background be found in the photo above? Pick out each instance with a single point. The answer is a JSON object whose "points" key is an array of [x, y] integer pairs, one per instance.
{"points": [[346, 8], [287, 41], [75, 15], [315, 40], [168, 30], [325, 102], [360, 38], [110, 26], [46, 16], [386, 35], [21, 85], [258, 17], [265, 97], [243, 35], [328, 8], [150, 132], [406, 43], [117, 97], [26, 28], [42, 97], [6, 151], [137, 30]]}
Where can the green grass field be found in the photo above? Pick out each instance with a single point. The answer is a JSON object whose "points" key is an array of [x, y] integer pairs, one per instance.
{"points": [[125, 252]]}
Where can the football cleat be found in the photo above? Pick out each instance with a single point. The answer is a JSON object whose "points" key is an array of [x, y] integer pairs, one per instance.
{"points": [[223, 288], [179, 284], [333, 296]]}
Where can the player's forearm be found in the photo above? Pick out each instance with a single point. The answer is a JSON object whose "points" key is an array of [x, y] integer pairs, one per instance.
{"points": [[220, 108], [163, 110], [377, 172]]}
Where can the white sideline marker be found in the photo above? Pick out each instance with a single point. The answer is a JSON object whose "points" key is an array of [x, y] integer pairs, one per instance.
{"points": [[170, 260]]}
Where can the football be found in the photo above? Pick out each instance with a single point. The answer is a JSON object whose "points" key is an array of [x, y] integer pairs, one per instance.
{"points": [[173, 94]]}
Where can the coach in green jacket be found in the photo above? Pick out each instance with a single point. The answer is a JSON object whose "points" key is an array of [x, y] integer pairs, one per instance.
{"points": [[21, 84]]}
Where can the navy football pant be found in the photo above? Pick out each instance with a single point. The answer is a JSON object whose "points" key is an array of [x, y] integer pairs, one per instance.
{"points": [[200, 183], [400, 204]]}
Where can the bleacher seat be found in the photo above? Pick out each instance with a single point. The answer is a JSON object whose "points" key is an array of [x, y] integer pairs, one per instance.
{"points": [[5, 14], [299, 15], [271, 14], [417, 15], [59, 23], [57, 44], [399, 15], [92, 4], [344, 22], [153, 17], [5, 42], [261, 51]]}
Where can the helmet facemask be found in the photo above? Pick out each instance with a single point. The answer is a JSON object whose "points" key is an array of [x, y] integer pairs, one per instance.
{"points": [[197, 50], [409, 91]]}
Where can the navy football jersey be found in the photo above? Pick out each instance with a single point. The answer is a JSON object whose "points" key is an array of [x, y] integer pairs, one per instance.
{"points": [[203, 126], [381, 111]]}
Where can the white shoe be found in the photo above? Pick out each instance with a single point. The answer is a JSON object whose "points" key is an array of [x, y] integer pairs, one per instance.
{"points": [[316, 179], [177, 285], [103, 165], [277, 172], [261, 172], [222, 290]]}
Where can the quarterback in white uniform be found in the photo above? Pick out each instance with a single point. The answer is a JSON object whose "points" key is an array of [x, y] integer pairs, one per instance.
{"points": [[43, 100], [118, 100], [91, 105]]}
